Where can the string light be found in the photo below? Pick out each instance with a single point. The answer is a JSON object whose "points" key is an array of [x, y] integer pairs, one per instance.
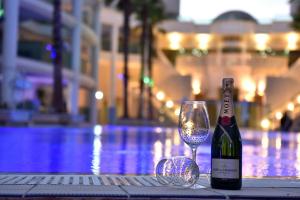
{"points": [[292, 39], [261, 88], [196, 86], [177, 111], [203, 40], [160, 95], [298, 99], [99, 95], [278, 115], [174, 40], [169, 104], [291, 106], [261, 40], [265, 124]]}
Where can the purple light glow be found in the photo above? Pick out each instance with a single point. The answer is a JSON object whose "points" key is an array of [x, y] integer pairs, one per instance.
{"points": [[48, 47], [121, 76], [42, 80], [53, 54]]}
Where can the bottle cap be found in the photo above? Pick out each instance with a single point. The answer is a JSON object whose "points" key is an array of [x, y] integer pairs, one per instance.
{"points": [[227, 83]]}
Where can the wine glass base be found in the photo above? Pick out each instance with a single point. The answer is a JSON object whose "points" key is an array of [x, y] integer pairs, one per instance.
{"points": [[197, 186]]}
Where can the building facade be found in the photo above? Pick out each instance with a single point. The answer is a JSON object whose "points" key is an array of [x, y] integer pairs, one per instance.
{"points": [[257, 56], [27, 53]]}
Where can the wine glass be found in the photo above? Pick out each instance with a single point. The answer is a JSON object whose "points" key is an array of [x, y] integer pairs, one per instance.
{"points": [[193, 124], [178, 171]]}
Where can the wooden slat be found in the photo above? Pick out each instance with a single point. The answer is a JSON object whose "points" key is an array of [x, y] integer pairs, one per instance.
{"points": [[25, 180], [152, 180], [75, 180], [10, 180], [96, 180], [5, 179], [55, 180], [86, 180], [143, 181], [132, 181], [123, 180], [46, 180], [105, 180], [35, 180], [114, 180], [15, 181], [66, 180]]}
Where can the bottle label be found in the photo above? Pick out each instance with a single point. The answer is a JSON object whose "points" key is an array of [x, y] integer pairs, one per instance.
{"points": [[227, 109], [225, 168]]}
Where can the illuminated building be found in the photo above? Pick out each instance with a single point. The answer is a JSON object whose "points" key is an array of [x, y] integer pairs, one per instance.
{"points": [[233, 45]]}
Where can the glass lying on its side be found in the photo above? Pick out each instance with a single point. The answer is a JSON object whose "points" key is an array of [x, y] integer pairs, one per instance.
{"points": [[178, 171]]}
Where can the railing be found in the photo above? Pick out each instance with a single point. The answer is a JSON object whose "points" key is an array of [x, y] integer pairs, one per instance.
{"points": [[270, 61], [42, 51]]}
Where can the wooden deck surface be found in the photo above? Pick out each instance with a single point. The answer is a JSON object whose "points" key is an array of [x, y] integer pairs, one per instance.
{"points": [[69, 186]]}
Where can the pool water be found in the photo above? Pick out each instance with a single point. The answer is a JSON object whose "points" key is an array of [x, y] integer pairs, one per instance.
{"points": [[134, 150]]}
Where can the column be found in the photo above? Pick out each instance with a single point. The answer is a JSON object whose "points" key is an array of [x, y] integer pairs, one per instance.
{"points": [[216, 72], [76, 54], [112, 96], [95, 54], [219, 56], [9, 51], [244, 55]]}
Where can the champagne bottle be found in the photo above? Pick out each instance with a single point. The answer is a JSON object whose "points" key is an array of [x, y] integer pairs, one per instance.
{"points": [[226, 146]]}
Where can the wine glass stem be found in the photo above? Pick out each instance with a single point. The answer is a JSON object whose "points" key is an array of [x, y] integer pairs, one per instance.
{"points": [[194, 152]]}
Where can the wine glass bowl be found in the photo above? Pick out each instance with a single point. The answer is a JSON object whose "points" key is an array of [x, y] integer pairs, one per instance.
{"points": [[193, 124]]}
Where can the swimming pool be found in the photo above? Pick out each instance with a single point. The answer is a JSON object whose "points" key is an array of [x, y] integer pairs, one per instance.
{"points": [[134, 150]]}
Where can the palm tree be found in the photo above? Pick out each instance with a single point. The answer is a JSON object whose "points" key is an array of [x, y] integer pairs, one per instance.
{"points": [[294, 54], [143, 12], [156, 14], [149, 12], [125, 6], [126, 29], [150, 63], [296, 18], [57, 98]]}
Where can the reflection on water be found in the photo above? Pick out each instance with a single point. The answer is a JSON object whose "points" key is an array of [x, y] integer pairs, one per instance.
{"points": [[96, 155], [134, 150]]}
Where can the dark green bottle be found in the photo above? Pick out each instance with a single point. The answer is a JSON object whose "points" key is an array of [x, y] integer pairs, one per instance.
{"points": [[226, 146]]}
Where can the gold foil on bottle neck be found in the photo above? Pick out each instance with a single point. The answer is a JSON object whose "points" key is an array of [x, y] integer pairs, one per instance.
{"points": [[227, 83]]}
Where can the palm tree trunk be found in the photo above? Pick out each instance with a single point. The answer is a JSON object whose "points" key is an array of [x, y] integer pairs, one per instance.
{"points": [[127, 11], [144, 15], [57, 98], [150, 63]]}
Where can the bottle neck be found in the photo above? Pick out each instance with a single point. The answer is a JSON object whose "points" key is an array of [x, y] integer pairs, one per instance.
{"points": [[227, 104]]}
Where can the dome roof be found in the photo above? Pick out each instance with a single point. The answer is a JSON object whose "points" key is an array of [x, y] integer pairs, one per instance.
{"points": [[235, 15]]}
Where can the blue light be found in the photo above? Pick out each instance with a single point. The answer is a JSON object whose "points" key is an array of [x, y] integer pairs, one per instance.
{"points": [[53, 54], [23, 84], [130, 150], [48, 47]]}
